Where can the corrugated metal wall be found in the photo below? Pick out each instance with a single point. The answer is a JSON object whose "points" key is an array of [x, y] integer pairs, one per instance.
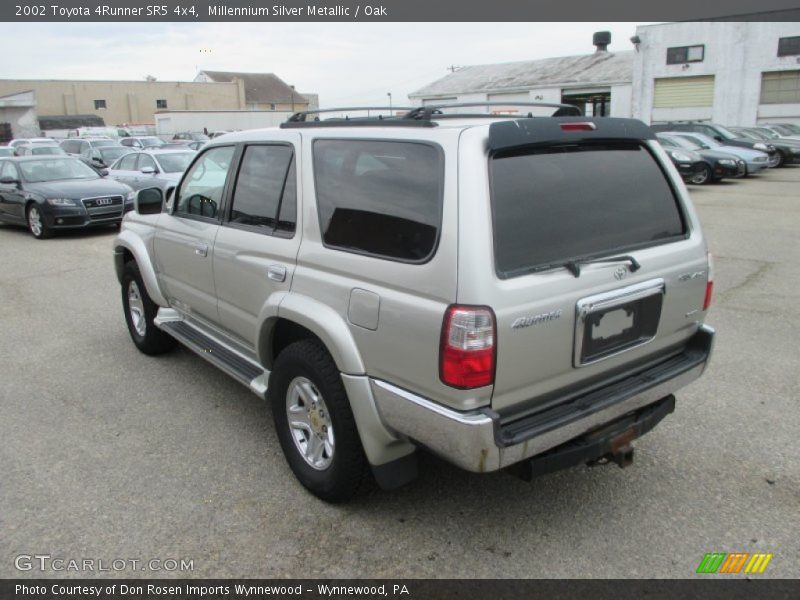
{"points": [[676, 92]]}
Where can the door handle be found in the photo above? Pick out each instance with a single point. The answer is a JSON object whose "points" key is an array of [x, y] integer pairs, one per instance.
{"points": [[276, 273], [201, 249]]}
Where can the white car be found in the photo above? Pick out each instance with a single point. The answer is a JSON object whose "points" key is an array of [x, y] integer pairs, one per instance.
{"points": [[161, 168]]}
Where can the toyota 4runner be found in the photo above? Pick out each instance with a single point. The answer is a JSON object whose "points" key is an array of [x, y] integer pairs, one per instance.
{"points": [[508, 292]]}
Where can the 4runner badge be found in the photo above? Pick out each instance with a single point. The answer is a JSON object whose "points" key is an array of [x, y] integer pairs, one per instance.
{"points": [[620, 272], [536, 319]]}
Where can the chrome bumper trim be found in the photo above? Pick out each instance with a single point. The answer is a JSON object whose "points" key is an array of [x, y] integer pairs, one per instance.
{"points": [[467, 439]]}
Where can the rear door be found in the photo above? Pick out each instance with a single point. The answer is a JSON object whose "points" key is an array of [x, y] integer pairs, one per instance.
{"points": [[184, 238], [125, 171], [564, 322], [12, 198], [256, 248]]}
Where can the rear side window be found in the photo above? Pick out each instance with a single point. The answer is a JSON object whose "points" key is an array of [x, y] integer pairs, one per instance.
{"points": [[382, 198], [263, 187], [562, 203]]}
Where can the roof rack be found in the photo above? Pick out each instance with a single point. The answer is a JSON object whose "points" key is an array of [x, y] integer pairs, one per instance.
{"points": [[422, 116], [428, 112]]}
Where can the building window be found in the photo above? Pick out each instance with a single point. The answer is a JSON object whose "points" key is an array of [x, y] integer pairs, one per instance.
{"points": [[685, 54], [789, 46], [99, 104], [780, 87], [272, 107], [161, 104]]}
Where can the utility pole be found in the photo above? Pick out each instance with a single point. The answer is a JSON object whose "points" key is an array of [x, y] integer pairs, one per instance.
{"points": [[390, 103]]}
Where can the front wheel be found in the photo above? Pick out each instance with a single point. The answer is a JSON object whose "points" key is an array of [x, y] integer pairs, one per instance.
{"points": [[140, 312], [314, 422], [36, 224], [703, 176]]}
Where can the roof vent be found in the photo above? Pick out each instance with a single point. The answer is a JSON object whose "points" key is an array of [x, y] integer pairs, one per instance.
{"points": [[601, 39]]}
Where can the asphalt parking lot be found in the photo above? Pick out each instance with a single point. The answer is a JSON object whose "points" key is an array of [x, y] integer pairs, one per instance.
{"points": [[108, 454]]}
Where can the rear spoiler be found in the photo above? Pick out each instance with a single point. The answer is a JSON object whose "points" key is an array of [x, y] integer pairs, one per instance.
{"points": [[508, 135]]}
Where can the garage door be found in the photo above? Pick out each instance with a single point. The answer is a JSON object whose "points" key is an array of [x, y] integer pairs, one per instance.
{"points": [[677, 92]]}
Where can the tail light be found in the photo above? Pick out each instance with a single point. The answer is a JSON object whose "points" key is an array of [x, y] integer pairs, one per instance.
{"points": [[578, 126], [709, 283], [467, 350]]}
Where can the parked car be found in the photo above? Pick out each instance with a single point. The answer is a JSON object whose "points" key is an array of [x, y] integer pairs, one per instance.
{"points": [[162, 168], [788, 149], [7, 151], [755, 160], [105, 156], [189, 136], [216, 134], [780, 131], [785, 129], [499, 291], [169, 146], [28, 141], [85, 147], [195, 145], [142, 142], [58, 192], [715, 165], [690, 164], [39, 150], [723, 136]]}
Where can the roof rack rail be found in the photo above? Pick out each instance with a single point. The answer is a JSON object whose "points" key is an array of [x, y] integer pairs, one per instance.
{"points": [[421, 116], [426, 113]]}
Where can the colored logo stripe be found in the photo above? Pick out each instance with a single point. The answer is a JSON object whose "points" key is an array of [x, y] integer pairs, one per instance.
{"points": [[721, 562]]}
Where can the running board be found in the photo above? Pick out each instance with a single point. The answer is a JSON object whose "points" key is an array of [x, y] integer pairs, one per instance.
{"points": [[221, 355]]}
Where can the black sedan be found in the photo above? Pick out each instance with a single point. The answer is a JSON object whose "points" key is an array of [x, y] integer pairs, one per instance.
{"points": [[53, 192], [717, 165], [688, 163]]}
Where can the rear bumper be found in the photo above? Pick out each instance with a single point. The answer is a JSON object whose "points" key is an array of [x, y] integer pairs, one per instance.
{"points": [[483, 441]]}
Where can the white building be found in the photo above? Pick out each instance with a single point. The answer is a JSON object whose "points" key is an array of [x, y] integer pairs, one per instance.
{"points": [[600, 83], [726, 72]]}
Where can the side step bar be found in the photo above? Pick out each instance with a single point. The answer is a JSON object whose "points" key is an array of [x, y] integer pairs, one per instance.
{"points": [[243, 369]]}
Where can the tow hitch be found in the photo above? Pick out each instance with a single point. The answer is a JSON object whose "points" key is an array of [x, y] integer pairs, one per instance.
{"points": [[611, 443]]}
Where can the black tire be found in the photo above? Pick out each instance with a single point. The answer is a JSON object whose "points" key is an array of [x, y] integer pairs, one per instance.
{"points": [[340, 480], [147, 337], [36, 223], [781, 160], [703, 176]]}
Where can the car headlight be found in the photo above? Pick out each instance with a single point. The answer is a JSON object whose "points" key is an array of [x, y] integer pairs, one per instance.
{"points": [[61, 202], [680, 156], [760, 146], [728, 162]]}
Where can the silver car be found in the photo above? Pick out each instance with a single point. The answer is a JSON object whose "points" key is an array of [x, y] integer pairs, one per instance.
{"points": [[159, 168], [755, 160], [504, 292]]}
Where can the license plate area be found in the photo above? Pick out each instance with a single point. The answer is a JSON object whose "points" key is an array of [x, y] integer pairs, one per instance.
{"points": [[613, 322]]}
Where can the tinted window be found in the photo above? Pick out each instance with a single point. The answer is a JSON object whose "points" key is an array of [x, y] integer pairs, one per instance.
{"points": [[260, 185], [378, 197], [201, 189], [585, 200]]}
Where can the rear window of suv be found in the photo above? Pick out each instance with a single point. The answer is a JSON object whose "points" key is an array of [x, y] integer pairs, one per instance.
{"points": [[554, 204], [382, 198]]}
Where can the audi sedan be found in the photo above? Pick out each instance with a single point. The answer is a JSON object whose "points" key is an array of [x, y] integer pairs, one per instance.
{"points": [[49, 193]]}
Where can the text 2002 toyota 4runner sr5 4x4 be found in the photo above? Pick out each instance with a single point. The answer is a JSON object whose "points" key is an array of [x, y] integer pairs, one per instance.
{"points": [[503, 291]]}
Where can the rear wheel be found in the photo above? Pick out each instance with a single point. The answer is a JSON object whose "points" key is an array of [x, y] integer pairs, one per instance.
{"points": [[140, 311], [703, 176], [36, 224], [314, 422], [779, 160]]}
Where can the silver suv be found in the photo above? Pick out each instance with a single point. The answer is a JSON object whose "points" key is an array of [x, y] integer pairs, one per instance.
{"points": [[521, 293]]}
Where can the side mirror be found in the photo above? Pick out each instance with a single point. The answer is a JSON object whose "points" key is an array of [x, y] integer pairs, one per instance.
{"points": [[8, 180], [148, 170], [149, 201]]}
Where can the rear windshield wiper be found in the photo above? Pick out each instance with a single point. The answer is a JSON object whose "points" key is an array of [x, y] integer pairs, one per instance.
{"points": [[574, 266]]}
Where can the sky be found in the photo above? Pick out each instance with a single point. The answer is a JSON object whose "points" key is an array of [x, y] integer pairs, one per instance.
{"points": [[345, 63]]}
